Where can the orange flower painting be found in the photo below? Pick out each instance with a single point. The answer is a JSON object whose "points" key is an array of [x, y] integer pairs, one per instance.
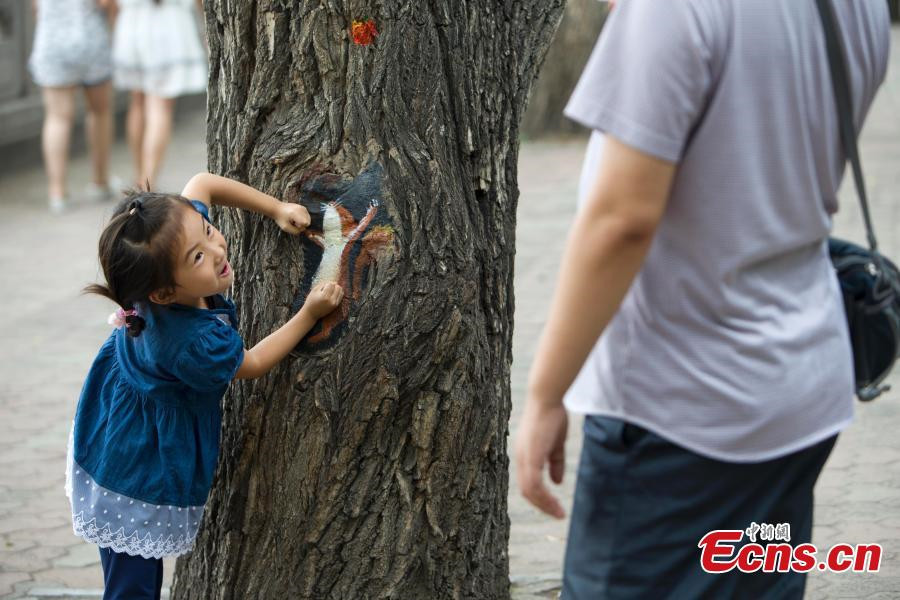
{"points": [[363, 32]]}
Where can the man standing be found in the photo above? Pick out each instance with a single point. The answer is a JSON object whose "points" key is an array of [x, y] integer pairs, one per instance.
{"points": [[723, 371]]}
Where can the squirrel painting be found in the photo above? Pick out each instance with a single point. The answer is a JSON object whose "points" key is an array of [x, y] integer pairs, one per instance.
{"points": [[339, 234], [351, 232]]}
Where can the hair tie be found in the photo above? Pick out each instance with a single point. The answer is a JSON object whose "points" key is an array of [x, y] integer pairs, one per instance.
{"points": [[117, 318], [135, 206]]}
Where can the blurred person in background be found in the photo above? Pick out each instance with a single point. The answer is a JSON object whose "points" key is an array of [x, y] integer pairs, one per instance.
{"points": [[157, 56], [72, 50]]}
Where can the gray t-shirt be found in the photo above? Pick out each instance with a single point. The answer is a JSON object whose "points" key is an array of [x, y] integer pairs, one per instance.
{"points": [[732, 341]]}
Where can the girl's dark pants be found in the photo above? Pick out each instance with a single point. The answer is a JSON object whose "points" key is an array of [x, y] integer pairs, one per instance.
{"points": [[127, 577], [642, 504]]}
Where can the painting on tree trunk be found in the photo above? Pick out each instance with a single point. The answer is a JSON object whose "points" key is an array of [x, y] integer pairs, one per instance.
{"points": [[349, 232]]}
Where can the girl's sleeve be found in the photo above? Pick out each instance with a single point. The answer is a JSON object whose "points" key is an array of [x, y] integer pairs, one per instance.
{"points": [[211, 360], [201, 208]]}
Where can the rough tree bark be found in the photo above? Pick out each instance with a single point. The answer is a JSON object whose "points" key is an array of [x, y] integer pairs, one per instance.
{"points": [[569, 52], [373, 465]]}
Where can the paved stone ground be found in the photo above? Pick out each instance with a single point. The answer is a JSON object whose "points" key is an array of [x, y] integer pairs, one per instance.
{"points": [[50, 334]]}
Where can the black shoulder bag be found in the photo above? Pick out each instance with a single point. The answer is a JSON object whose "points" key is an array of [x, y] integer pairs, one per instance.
{"points": [[870, 282]]}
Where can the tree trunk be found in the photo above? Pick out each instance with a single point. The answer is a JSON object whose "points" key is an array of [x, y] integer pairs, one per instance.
{"points": [[569, 52], [372, 462]]}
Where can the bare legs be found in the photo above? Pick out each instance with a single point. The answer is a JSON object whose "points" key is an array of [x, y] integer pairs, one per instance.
{"points": [[99, 129], [157, 133], [149, 126], [59, 112], [134, 128], [59, 115]]}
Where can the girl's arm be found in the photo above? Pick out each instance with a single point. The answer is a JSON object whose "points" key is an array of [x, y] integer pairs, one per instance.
{"points": [[214, 189], [260, 359]]}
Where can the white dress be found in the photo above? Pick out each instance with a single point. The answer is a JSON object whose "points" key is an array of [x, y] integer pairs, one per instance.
{"points": [[157, 48]]}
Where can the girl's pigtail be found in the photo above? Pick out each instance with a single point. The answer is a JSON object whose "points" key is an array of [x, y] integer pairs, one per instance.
{"points": [[134, 325]]}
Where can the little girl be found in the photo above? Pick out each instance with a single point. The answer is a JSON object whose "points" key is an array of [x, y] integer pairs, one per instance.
{"points": [[146, 434]]}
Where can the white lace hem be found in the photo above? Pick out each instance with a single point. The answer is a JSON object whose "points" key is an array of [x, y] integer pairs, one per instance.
{"points": [[133, 544]]}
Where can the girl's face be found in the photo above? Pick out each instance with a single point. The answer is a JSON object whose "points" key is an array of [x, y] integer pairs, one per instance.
{"points": [[201, 263]]}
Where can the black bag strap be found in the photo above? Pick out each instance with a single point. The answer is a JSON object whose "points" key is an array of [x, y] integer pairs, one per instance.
{"points": [[838, 66]]}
